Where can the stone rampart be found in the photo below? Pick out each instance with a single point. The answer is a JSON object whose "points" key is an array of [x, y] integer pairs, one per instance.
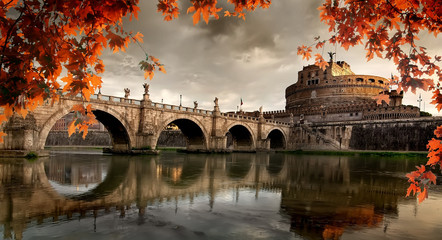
{"points": [[393, 134]]}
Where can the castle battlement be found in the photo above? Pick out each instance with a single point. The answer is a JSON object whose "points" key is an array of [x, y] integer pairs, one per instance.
{"points": [[338, 94]]}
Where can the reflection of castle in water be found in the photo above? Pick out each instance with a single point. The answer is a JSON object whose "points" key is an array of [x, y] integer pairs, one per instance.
{"points": [[321, 195], [324, 197]]}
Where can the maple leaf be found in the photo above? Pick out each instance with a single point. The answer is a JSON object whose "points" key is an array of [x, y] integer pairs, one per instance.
{"points": [[319, 61], [429, 175], [382, 98], [413, 188], [305, 52], [423, 195], [3, 118], [138, 37], [71, 128], [162, 69], [2, 134]]}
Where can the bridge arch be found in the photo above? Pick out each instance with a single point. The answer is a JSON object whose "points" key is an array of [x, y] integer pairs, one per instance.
{"points": [[243, 138], [194, 131], [121, 132], [277, 139]]}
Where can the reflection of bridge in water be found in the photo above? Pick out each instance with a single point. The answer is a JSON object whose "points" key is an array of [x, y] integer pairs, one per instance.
{"points": [[313, 188]]}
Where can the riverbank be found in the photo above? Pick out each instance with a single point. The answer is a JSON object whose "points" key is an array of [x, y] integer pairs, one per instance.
{"points": [[300, 152], [422, 154]]}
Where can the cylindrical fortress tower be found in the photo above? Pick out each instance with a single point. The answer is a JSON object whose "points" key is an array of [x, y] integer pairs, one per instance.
{"points": [[335, 86]]}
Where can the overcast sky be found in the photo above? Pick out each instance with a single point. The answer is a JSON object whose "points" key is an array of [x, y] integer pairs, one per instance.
{"points": [[231, 58]]}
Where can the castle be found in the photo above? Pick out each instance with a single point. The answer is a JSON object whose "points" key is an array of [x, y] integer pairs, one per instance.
{"points": [[337, 94]]}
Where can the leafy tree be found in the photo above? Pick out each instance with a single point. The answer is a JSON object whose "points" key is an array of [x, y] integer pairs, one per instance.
{"points": [[390, 29], [40, 39]]}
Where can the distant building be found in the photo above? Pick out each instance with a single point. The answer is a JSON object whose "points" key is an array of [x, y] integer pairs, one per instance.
{"points": [[62, 124], [337, 94]]}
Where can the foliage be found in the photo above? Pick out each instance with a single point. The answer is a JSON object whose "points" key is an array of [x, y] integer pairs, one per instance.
{"points": [[31, 156], [425, 114], [40, 39], [390, 29]]}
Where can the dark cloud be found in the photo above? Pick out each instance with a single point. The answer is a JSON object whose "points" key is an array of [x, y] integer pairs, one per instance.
{"points": [[228, 58]]}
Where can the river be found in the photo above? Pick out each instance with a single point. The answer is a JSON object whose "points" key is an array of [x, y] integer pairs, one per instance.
{"points": [[88, 195]]}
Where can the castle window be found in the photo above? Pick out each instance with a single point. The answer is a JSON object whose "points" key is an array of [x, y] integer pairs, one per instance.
{"points": [[316, 81], [326, 81], [351, 114], [317, 73], [371, 80], [381, 82], [308, 82], [359, 80], [356, 114]]}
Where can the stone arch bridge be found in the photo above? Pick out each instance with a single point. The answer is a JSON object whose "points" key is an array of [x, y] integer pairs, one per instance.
{"points": [[135, 124]]}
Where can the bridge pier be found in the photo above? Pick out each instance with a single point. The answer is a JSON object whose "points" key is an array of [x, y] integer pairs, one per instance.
{"points": [[218, 143], [22, 137]]}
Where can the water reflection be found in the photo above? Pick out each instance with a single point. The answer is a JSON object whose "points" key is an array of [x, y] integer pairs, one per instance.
{"points": [[71, 176], [318, 196]]}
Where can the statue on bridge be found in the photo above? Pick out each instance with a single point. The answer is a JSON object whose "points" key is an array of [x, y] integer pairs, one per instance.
{"points": [[216, 108], [146, 88], [195, 104], [126, 92]]}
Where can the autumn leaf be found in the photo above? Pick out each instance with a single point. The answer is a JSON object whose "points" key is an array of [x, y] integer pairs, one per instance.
{"points": [[305, 51], [382, 98], [3, 118], [2, 134], [423, 195], [138, 37], [71, 128], [429, 175], [319, 61], [412, 188]]}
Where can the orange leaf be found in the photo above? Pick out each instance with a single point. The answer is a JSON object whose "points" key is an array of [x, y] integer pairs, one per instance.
{"points": [[2, 134], [382, 97], [71, 128], [319, 61], [196, 17], [423, 195], [3, 118], [23, 112], [162, 69], [139, 37], [86, 93], [430, 176]]}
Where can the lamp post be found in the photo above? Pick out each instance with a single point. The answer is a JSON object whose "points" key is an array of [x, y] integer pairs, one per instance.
{"points": [[181, 98], [420, 100]]}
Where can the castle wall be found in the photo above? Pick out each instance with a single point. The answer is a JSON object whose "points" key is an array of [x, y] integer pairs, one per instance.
{"points": [[393, 134]]}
